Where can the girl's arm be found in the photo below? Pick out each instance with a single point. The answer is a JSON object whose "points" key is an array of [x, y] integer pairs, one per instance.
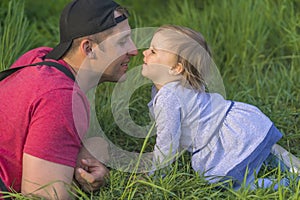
{"points": [[167, 111]]}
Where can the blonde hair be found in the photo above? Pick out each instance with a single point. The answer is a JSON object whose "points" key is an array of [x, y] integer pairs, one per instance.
{"points": [[192, 52]]}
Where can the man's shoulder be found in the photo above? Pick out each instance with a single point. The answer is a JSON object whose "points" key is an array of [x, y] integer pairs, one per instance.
{"points": [[37, 81], [31, 56]]}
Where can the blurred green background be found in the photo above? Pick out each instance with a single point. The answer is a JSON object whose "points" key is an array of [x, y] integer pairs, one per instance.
{"points": [[255, 45]]}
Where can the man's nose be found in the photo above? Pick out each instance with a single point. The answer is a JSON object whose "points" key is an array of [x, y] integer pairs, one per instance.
{"points": [[133, 50]]}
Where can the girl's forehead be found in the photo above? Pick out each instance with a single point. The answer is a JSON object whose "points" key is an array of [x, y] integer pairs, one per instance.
{"points": [[160, 42], [159, 36]]}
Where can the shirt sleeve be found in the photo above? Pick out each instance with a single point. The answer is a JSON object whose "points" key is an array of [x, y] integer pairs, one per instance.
{"points": [[167, 112], [59, 120]]}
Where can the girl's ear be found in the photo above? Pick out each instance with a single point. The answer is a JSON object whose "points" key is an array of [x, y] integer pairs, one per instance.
{"points": [[178, 68]]}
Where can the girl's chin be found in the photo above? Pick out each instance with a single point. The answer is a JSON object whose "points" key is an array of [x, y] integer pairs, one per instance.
{"points": [[145, 76], [143, 72]]}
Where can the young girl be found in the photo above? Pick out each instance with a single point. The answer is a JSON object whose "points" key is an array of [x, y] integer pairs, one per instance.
{"points": [[227, 139]]}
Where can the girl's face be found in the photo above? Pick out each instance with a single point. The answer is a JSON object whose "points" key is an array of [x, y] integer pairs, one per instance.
{"points": [[158, 61]]}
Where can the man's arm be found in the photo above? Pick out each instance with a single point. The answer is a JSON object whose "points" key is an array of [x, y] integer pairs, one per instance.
{"points": [[90, 173], [52, 181], [46, 179]]}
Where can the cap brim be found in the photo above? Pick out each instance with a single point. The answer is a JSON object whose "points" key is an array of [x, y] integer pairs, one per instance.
{"points": [[59, 51]]}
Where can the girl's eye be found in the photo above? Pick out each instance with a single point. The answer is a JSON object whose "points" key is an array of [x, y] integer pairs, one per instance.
{"points": [[152, 51]]}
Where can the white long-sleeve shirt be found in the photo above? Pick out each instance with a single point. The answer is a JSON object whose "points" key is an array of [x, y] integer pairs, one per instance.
{"points": [[221, 134]]}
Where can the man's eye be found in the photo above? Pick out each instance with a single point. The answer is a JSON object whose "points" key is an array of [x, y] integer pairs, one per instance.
{"points": [[123, 42]]}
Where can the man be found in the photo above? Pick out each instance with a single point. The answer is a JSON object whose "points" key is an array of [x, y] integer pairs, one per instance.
{"points": [[44, 115]]}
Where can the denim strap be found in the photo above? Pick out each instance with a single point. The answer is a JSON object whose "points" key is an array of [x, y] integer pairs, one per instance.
{"points": [[58, 66], [2, 186]]}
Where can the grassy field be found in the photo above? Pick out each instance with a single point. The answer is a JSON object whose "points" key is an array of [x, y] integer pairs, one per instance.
{"points": [[256, 47]]}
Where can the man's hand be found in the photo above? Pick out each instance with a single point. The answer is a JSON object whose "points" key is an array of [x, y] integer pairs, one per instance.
{"points": [[91, 174]]}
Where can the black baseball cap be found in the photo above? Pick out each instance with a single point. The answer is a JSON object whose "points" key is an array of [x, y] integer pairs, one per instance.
{"points": [[82, 18]]}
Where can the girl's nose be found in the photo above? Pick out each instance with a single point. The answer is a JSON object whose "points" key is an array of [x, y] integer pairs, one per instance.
{"points": [[145, 53], [145, 56]]}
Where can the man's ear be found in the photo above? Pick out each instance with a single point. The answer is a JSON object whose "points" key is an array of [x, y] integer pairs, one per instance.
{"points": [[86, 47]]}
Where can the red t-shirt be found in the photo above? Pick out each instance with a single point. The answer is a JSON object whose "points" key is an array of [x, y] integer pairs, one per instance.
{"points": [[42, 113]]}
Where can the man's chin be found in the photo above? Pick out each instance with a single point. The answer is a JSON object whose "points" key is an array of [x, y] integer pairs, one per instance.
{"points": [[122, 78]]}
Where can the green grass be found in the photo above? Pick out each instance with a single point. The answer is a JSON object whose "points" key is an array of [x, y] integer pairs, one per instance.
{"points": [[16, 33], [255, 46]]}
